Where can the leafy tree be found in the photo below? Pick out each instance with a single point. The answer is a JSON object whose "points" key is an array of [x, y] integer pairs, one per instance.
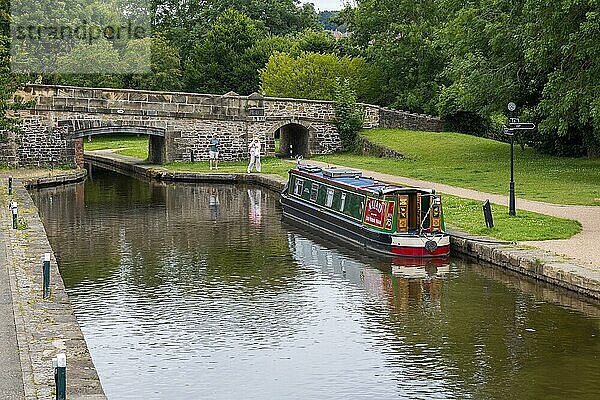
{"points": [[329, 20], [216, 64], [91, 74], [165, 74], [398, 38], [565, 51], [312, 41], [314, 76], [348, 115], [9, 82]]}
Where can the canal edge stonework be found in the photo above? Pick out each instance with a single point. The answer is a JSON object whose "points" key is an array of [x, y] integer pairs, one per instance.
{"points": [[527, 261], [48, 327]]}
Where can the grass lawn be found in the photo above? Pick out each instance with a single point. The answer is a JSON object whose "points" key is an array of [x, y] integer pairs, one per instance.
{"points": [[467, 215], [464, 214], [270, 165], [481, 164], [133, 146]]}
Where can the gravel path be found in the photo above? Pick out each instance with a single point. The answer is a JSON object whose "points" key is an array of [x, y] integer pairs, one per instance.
{"points": [[583, 247]]}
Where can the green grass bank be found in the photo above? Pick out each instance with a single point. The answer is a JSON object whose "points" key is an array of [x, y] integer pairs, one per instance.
{"points": [[481, 164]]}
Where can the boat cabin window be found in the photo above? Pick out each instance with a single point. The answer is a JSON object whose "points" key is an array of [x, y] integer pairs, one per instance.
{"points": [[353, 206], [314, 193], [298, 187], [343, 201], [329, 198]]}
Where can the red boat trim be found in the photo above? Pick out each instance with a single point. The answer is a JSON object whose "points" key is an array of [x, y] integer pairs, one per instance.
{"points": [[420, 251]]}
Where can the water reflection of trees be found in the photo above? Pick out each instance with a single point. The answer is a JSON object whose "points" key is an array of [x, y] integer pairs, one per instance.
{"points": [[160, 232]]}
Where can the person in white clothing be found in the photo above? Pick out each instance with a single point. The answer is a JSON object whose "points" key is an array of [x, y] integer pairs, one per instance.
{"points": [[254, 150]]}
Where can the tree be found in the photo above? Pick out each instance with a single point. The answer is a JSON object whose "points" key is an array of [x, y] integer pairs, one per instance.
{"points": [[348, 115], [216, 64], [9, 82], [165, 73], [314, 76], [398, 38], [564, 50]]}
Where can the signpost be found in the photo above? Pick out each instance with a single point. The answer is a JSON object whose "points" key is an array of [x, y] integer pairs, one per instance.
{"points": [[513, 126]]}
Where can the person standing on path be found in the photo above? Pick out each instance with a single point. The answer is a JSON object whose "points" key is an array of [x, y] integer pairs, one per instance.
{"points": [[213, 152], [254, 150]]}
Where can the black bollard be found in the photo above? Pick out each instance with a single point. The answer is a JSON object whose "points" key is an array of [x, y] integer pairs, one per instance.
{"points": [[10, 183], [487, 213], [60, 376], [46, 274], [192, 155]]}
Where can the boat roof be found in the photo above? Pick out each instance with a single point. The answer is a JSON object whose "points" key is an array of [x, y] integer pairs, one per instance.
{"points": [[354, 178]]}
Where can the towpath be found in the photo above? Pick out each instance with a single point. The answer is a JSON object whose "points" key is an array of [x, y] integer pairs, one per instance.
{"points": [[583, 247]]}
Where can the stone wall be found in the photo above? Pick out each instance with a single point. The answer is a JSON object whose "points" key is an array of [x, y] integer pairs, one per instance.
{"points": [[389, 118], [369, 148]]}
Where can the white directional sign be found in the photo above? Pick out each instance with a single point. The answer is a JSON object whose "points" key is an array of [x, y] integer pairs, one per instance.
{"points": [[522, 125]]}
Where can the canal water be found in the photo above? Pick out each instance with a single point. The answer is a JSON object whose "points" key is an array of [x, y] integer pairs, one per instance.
{"points": [[203, 292]]}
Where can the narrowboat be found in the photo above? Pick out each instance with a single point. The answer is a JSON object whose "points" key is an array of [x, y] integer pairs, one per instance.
{"points": [[379, 216]]}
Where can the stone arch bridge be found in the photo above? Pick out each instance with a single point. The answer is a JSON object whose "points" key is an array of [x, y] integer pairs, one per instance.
{"points": [[179, 125]]}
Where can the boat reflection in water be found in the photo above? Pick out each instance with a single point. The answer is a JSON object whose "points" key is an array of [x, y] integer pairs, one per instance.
{"points": [[396, 281]]}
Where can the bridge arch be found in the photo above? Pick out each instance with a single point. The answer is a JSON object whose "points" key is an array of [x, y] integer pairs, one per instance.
{"points": [[111, 130], [77, 130], [296, 138]]}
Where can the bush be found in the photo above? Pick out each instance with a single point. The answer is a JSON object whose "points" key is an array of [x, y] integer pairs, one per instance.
{"points": [[348, 115]]}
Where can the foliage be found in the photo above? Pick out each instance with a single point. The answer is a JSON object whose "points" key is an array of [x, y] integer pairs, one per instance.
{"points": [[398, 38], [165, 74], [314, 76], [329, 20], [223, 60], [482, 164], [466, 60], [348, 115], [8, 82]]}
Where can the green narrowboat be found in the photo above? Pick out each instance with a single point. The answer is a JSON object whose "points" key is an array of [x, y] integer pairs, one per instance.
{"points": [[383, 217]]}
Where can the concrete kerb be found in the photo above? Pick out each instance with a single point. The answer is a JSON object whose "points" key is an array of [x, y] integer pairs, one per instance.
{"points": [[531, 262], [44, 328]]}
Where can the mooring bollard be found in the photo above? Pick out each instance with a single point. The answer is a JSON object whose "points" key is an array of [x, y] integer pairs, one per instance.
{"points": [[60, 376], [10, 183], [46, 273], [14, 213]]}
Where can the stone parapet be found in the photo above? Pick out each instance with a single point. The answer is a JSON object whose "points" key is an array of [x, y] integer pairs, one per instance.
{"points": [[399, 119]]}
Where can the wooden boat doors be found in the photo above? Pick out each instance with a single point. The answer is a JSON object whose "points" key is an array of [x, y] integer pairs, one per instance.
{"points": [[418, 212]]}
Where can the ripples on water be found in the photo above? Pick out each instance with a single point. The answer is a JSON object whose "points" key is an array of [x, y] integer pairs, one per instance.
{"points": [[201, 292]]}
